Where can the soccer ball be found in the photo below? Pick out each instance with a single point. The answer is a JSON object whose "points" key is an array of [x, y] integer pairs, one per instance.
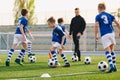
{"points": [[74, 59], [87, 60], [51, 63], [32, 59], [102, 66]]}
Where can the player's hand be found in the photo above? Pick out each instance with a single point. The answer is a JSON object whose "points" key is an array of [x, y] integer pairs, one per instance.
{"points": [[69, 37], [79, 34], [96, 39], [63, 47], [119, 33]]}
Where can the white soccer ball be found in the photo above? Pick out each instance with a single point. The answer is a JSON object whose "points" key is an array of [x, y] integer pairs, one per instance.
{"points": [[102, 66], [51, 63], [87, 60], [32, 59], [74, 59]]}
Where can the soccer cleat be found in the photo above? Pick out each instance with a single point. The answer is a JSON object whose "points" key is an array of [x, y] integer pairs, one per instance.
{"points": [[22, 60], [115, 69], [79, 59], [18, 61], [29, 55], [67, 65], [110, 70], [7, 63]]}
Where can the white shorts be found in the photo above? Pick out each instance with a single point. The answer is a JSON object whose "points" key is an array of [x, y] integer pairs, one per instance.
{"points": [[108, 39], [57, 45], [18, 39]]}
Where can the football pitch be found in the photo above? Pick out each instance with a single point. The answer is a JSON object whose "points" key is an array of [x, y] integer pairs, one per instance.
{"points": [[77, 71]]}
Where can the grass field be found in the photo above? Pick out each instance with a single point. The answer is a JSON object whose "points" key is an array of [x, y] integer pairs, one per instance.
{"points": [[77, 71]]}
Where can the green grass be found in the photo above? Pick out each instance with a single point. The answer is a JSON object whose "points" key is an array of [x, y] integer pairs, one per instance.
{"points": [[33, 71]]}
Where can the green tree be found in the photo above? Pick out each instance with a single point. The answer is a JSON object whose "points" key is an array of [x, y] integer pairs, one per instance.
{"points": [[28, 4]]}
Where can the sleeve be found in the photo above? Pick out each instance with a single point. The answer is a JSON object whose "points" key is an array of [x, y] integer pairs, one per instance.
{"points": [[60, 33], [112, 17], [71, 27], [83, 25], [97, 19], [23, 23]]}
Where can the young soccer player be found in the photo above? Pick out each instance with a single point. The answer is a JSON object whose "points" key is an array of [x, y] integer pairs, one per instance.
{"points": [[61, 24], [58, 40], [104, 22], [20, 37]]}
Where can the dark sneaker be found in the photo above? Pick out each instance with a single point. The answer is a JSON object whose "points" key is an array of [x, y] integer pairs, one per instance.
{"points": [[29, 55], [79, 59], [18, 61], [67, 65], [110, 70], [22, 60], [7, 63], [115, 69]]}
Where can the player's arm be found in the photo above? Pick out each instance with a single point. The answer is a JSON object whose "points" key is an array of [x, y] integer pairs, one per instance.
{"points": [[22, 32], [118, 25], [29, 33], [96, 31]]}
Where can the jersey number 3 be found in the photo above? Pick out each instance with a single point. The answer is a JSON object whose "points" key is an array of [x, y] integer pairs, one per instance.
{"points": [[104, 17]]}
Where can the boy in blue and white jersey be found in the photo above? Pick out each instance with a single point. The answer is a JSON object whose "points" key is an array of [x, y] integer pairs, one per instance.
{"points": [[58, 40], [104, 21], [20, 37]]}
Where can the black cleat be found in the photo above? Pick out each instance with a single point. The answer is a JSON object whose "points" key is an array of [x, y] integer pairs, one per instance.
{"points": [[67, 65], [22, 60], [7, 63], [110, 70], [18, 61], [115, 69]]}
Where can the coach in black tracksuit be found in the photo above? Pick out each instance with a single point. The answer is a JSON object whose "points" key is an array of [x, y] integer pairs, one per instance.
{"points": [[77, 28]]}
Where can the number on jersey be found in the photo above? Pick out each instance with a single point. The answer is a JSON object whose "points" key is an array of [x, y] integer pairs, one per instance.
{"points": [[104, 17]]}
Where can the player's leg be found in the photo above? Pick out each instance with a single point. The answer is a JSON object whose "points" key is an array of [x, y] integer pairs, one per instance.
{"points": [[53, 52], [29, 46], [113, 56], [106, 41], [109, 58], [77, 49], [11, 51], [21, 54], [67, 64]]}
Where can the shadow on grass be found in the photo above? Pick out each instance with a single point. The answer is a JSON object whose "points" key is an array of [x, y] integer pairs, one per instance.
{"points": [[26, 66]]}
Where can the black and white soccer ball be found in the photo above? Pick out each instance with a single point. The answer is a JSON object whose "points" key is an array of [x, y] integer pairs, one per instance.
{"points": [[87, 60], [32, 59], [74, 58], [51, 63], [102, 66]]}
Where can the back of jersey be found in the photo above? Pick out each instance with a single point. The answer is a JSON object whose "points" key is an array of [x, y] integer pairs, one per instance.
{"points": [[22, 21], [105, 22]]}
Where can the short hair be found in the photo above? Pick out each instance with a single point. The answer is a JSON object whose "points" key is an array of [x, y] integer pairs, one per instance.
{"points": [[77, 9], [51, 19], [24, 12], [60, 20], [101, 6]]}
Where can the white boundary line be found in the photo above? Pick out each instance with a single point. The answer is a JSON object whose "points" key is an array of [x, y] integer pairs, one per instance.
{"points": [[60, 75]]}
